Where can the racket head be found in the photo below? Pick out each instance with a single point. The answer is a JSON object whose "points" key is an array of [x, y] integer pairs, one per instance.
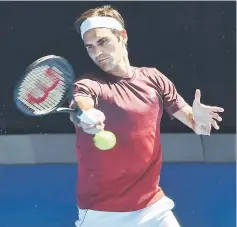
{"points": [[45, 85]]}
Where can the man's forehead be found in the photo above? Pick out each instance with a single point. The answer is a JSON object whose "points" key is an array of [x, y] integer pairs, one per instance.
{"points": [[97, 33]]}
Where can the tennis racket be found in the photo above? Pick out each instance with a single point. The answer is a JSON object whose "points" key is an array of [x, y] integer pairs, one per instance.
{"points": [[45, 86]]}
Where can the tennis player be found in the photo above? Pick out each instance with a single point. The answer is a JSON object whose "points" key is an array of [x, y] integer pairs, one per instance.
{"points": [[120, 187]]}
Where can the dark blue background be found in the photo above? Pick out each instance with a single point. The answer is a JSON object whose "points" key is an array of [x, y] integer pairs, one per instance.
{"points": [[193, 43], [44, 195]]}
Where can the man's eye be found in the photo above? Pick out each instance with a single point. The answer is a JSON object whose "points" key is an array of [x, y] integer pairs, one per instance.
{"points": [[103, 41]]}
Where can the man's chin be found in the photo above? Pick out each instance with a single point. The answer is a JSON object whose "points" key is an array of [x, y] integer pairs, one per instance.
{"points": [[105, 68]]}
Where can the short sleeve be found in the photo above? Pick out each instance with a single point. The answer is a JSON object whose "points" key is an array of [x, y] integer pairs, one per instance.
{"points": [[87, 87], [172, 100]]}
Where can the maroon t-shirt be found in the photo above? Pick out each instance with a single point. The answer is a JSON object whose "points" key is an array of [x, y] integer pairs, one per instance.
{"points": [[125, 178]]}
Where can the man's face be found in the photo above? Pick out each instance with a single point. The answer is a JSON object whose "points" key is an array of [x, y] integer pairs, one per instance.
{"points": [[104, 48]]}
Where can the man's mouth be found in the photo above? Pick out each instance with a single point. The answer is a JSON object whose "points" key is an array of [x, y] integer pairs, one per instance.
{"points": [[102, 60]]}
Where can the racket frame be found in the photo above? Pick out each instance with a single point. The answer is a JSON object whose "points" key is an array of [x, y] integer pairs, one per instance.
{"points": [[69, 92]]}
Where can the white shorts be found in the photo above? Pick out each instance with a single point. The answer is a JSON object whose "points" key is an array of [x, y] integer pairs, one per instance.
{"points": [[157, 215]]}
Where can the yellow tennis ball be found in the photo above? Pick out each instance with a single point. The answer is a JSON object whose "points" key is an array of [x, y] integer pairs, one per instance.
{"points": [[104, 140]]}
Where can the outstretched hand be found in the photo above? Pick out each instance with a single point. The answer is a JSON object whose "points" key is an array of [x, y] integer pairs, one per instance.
{"points": [[205, 116]]}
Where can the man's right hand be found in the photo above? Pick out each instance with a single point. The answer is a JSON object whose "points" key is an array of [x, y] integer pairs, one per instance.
{"points": [[91, 121]]}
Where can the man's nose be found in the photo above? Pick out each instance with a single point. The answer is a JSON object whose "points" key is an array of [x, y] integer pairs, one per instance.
{"points": [[97, 51]]}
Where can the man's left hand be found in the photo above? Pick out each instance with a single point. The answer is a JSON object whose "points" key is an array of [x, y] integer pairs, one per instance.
{"points": [[205, 116]]}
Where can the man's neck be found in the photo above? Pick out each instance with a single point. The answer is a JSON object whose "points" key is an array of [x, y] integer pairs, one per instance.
{"points": [[123, 69]]}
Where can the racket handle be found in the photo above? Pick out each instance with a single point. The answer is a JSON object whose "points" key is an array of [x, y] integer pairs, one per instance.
{"points": [[65, 110], [87, 116]]}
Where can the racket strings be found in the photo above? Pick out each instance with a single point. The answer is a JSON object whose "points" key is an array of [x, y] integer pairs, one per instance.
{"points": [[36, 84]]}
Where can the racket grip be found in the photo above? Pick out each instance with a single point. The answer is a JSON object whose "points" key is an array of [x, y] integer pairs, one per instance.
{"points": [[87, 116], [65, 110]]}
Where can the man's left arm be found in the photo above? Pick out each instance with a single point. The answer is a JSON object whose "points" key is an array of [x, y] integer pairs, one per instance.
{"points": [[185, 115], [198, 117], [201, 118]]}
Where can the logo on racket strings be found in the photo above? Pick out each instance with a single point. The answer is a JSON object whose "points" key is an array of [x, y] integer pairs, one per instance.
{"points": [[54, 78]]}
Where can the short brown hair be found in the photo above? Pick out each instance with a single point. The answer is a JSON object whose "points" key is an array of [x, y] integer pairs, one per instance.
{"points": [[103, 11]]}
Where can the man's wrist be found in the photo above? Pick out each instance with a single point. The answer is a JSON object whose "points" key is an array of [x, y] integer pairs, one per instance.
{"points": [[193, 124]]}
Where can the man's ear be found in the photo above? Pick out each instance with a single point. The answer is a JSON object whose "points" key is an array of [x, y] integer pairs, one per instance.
{"points": [[124, 36]]}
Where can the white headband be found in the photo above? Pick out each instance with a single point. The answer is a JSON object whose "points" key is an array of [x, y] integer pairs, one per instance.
{"points": [[100, 22]]}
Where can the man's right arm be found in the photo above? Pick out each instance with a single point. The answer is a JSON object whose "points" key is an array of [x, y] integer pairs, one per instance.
{"points": [[84, 103], [87, 104], [85, 97]]}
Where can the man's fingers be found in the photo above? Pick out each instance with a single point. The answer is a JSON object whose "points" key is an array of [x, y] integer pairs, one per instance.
{"points": [[85, 125], [100, 125], [216, 116], [215, 125], [94, 129], [215, 109], [92, 116], [197, 96]]}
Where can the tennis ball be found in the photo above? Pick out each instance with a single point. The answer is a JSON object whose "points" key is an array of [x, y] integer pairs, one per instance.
{"points": [[104, 140]]}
